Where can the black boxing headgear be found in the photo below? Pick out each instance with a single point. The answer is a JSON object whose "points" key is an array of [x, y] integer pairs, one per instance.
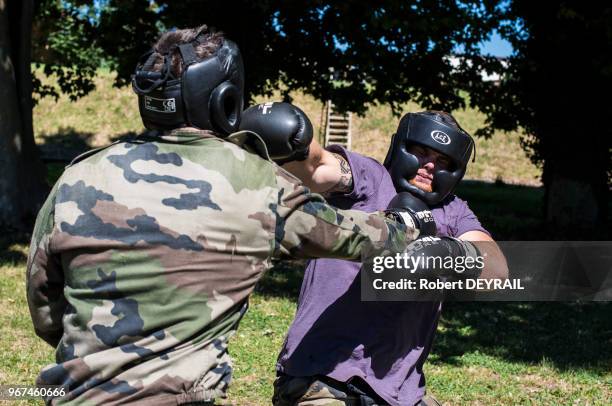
{"points": [[208, 95], [428, 129]]}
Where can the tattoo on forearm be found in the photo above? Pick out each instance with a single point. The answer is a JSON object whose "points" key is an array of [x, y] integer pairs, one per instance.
{"points": [[345, 183]]}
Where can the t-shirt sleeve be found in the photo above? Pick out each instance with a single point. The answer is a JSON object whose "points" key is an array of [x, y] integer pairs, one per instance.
{"points": [[308, 227], [466, 220], [372, 185]]}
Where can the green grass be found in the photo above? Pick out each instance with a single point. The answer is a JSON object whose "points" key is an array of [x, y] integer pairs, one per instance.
{"points": [[509, 212], [483, 353], [94, 120], [498, 353], [22, 354]]}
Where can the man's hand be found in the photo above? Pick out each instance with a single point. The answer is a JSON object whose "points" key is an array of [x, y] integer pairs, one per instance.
{"points": [[413, 212], [285, 129]]}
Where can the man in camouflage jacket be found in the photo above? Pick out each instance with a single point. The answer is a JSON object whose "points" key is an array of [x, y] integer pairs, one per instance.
{"points": [[144, 255]]}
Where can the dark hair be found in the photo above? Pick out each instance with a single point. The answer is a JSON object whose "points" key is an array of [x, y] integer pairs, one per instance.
{"points": [[208, 42]]}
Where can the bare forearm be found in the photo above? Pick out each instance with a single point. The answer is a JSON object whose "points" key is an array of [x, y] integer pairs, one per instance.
{"points": [[340, 177], [495, 265], [304, 170], [323, 171]]}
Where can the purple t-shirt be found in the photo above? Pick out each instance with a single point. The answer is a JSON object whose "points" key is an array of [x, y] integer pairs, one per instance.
{"points": [[334, 333]]}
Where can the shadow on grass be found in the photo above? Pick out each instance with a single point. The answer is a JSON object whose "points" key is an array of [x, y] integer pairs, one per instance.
{"points": [[71, 140], [515, 212], [67, 139], [566, 335], [509, 212], [283, 280]]}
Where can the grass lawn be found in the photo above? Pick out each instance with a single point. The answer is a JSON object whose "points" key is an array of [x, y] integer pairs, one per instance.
{"points": [[493, 353], [484, 353]]}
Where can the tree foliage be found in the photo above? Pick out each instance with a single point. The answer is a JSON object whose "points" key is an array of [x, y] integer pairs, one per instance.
{"points": [[64, 39], [554, 90], [358, 52]]}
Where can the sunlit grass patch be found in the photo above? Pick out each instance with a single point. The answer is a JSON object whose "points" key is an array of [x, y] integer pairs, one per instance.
{"points": [[22, 354]]}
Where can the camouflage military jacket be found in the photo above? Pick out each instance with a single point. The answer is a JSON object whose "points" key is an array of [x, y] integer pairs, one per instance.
{"points": [[144, 254]]}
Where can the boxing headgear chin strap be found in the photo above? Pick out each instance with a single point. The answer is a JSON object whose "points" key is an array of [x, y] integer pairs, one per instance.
{"points": [[428, 129], [208, 95]]}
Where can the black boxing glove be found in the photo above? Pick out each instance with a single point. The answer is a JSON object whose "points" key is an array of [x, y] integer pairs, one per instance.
{"points": [[284, 128], [413, 212]]}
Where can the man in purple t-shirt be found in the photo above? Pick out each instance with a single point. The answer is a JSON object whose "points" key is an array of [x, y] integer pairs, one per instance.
{"points": [[344, 351]]}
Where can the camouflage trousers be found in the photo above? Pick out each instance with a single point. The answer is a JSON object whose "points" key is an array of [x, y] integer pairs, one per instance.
{"points": [[324, 391]]}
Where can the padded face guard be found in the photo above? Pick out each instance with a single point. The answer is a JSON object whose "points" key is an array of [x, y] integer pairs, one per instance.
{"points": [[427, 130], [208, 95]]}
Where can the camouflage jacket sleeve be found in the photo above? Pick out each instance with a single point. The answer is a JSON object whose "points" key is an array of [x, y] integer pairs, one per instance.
{"points": [[45, 279], [308, 227]]}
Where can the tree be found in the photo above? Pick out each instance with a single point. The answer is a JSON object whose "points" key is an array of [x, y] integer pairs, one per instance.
{"points": [[64, 43], [351, 52], [65, 46], [358, 52], [22, 184], [555, 91]]}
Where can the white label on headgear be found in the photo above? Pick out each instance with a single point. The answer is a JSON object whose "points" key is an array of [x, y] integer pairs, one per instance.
{"points": [[440, 137], [160, 105], [265, 107]]}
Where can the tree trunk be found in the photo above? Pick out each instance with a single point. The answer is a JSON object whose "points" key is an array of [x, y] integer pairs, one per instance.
{"points": [[22, 184], [571, 203], [577, 190]]}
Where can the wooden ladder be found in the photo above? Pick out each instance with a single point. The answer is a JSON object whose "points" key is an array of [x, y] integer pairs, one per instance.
{"points": [[337, 127]]}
